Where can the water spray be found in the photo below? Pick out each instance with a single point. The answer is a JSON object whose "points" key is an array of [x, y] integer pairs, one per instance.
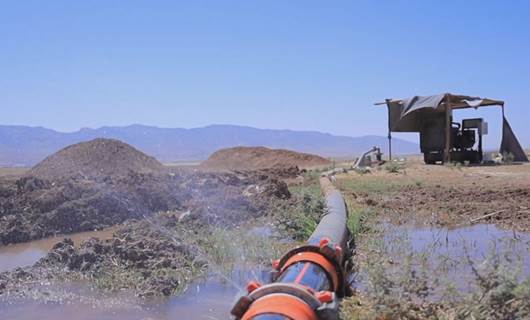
{"points": [[308, 282]]}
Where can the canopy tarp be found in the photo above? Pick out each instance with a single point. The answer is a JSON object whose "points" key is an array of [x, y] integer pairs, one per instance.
{"points": [[407, 115], [510, 144]]}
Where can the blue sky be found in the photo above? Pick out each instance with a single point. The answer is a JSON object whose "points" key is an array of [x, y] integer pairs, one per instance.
{"points": [[307, 65]]}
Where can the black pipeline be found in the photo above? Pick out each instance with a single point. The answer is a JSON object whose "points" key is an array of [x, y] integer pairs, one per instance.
{"points": [[309, 280]]}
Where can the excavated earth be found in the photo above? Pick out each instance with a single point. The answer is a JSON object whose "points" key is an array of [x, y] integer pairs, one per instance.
{"points": [[254, 158], [140, 257], [107, 191], [447, 196], [106, 182], [97, 159]]}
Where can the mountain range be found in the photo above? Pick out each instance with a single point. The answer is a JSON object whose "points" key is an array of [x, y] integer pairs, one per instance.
{"points": [[25, 146]]}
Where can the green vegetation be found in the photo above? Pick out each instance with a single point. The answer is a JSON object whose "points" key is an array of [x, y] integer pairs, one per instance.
{"points": [[507, 157], [357, 218], [373, 185], [209, 250], [454, 165], [400, 283], [299, 221], [393, 166], [118, 278], [228, 250], [362, 170]]}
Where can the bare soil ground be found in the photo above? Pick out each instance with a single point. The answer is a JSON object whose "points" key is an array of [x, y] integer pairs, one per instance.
{"points": [[252, 158], [446, 195]]}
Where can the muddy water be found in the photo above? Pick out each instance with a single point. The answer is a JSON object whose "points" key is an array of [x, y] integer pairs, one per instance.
{"points": [[478, 242], [449, 254], [26, 254], [211, 299]]}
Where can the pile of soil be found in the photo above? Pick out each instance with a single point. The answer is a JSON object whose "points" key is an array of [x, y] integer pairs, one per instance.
{"points": [[154, 255], [112, 189], [151, 254], [95, 159], [31, 208], [252, 158]]}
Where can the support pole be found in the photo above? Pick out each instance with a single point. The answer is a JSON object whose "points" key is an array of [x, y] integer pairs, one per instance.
{"points": [[480, 133], [448, 127], [389, 146], [389, 132]]}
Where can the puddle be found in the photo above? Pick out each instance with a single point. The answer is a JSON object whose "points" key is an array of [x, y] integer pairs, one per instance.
{"points": [[211, 299], [449, 256], [477, 240], [27, 253]]}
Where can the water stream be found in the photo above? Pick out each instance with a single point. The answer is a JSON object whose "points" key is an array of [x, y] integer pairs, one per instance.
{"points": [[27, 253], [207, 300]]}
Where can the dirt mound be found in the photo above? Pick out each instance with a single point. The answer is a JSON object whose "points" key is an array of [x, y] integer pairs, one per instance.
{"points": [[100, 183], [33, 208], [251, 158], [95, 159]]}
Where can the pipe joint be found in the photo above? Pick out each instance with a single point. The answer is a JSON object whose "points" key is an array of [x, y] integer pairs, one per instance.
{"points": [[328, 257], [290, 300]]}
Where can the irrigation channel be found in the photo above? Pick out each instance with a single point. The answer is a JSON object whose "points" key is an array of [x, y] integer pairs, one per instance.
{"points": [[306, 283], [300, 277]]}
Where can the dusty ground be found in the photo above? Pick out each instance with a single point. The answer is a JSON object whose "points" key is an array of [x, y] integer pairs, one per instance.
{"points": [[252, 158], [446, 195]]}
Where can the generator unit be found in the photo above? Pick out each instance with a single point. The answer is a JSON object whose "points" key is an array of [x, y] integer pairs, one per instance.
{"points": [[465, 142]]}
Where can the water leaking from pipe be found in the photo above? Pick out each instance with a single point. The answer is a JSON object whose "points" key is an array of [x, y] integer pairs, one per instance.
{"points": [[308, 281]]}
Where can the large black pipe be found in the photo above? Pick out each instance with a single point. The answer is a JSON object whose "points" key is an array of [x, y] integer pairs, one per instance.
{"points": [[312, 274], [333, 225]]}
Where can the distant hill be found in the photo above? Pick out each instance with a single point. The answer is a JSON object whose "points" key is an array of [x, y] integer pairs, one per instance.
{"points": [[25, 146]]}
